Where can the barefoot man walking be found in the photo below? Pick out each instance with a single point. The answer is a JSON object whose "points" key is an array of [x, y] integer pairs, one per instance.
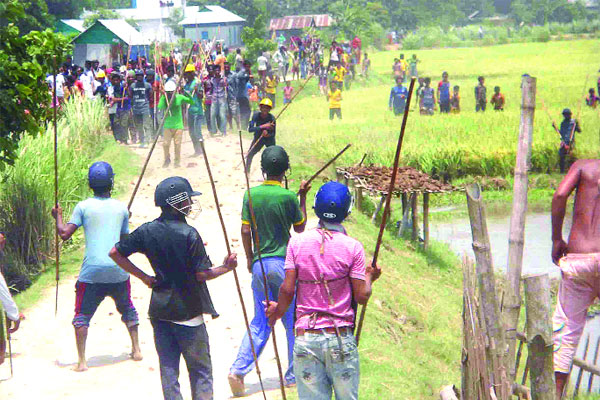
{"points": [[104, 221], [579, 261]]}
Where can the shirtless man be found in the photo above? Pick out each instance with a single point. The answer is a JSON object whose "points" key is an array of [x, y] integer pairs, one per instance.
{"points": [[579, 261]]}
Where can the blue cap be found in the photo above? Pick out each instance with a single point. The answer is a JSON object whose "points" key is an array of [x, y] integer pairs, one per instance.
{"points": [[333, 202], [100, 175]]}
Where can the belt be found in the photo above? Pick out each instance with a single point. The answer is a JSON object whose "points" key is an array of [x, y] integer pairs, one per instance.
{"points": [[344, 331]]}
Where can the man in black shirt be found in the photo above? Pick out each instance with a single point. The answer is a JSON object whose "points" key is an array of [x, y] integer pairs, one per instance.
{"points": [[262, 125], [140, 93], [180, 296], [567, 130]]}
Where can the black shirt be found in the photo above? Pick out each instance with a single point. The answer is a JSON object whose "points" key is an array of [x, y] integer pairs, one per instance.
{"points": [[257, 120], [176, 252]]}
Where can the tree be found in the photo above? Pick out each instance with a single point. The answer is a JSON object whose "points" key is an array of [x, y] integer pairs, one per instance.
{"points": [[101, 13], [24, 62], [254, 39], [35, 17], [175, 17]]}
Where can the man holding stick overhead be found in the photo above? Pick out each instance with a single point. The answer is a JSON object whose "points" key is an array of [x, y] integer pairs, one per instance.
{"points": [[276, 210], [328, 269], [180, 295], [578, 260]]}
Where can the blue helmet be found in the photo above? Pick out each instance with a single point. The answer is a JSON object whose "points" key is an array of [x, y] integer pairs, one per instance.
{"points": [[101, 175], [333, 202]]}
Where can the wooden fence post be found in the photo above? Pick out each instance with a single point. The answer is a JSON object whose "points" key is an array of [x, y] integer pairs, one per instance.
{"points": [[425, 220], [539, 337], [415, 216], [487, 292], [512, 301]]}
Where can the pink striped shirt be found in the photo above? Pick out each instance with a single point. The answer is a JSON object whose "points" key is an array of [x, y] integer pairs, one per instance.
{"points": [[343, 257]]}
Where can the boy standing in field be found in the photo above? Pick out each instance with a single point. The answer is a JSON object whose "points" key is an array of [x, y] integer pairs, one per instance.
{"points": [[413, 66], [338, 75], [480, 95], [276, 210], [497, 99], [398, 97], [366, 64], [592, 100], [427, 105], [403, 67], [334, 96], [325, 269], [173, 122], [180, 297], [567, 130], [443, 93], [287, 93], [104, 220], [455, 100]]}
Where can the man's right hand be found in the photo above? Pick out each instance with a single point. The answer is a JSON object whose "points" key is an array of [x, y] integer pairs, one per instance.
{"points": [[57, 211], [559, 249], [149, 281], [13, 326]]}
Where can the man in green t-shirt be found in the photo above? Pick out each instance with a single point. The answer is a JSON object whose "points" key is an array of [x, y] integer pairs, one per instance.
{"points": [[276, 210], [193, 89], [174, 121]]}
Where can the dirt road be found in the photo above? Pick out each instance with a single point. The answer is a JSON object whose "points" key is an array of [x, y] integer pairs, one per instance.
{"points": [[44, 347]]}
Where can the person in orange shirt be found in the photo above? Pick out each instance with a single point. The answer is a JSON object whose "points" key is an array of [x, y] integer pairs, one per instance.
{"points": [[497, 99]]}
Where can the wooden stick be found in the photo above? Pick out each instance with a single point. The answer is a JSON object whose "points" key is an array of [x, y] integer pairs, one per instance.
{"points": [[388, 199], [591, 380], [235, 275], [425, 220], [260, 261], [580, 373], [327, 164], [516, 240], [10, 353], [56, 243], [126, 71], [549, 116], [156, 135], [578, 109]]}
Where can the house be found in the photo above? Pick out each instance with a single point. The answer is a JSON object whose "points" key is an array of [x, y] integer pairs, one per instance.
{"points": [[293, 25], [214, 22], [151, 17], [107, 40], [69, 26]]}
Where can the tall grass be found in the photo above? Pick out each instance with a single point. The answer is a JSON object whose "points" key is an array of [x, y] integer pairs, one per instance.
{"points": [[27, 193], [469, 143]]}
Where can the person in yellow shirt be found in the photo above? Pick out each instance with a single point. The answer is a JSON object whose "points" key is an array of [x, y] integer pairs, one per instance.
{"points": [[338, 75], [334, 96], [271, 87], [403, 67]]}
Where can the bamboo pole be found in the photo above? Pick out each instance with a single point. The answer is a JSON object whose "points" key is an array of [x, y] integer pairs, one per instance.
{"points": [[580, 372], [235, 275], [425, 220], [468, 391], [487, 291], [586, 366], [56, 239], [512, 304], [591, 380], [327, 164], [539, 336], [262, 267], [415, 217], [378, 208], [389, 199]]}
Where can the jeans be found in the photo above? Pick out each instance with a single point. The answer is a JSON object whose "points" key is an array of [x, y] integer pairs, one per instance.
{"points": [[218, 116], [262, 141], [172, 341], [143, 127], [335, 111], [233, 113], [195, 128], [112, 119], [303, 68], [122, 126], [321, 367], [259, 326]]}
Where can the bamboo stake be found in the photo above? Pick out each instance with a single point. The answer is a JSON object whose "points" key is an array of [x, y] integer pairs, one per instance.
{"points": [[425, 220], [388, 200], [591, 380], [260, 261], [539, 336], [580, 373], [56, 243], [235, 275], [156, 135], [10, 353], [516, 240], [327, 164]]}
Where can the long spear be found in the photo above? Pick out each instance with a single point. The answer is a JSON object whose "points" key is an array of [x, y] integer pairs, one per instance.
{"points": [[578, 111], [260, 261], [280, 112], [56, 244], [549, 116], [328, 164], [162, 123], [10, 353], [235, 275], [388, 199]]}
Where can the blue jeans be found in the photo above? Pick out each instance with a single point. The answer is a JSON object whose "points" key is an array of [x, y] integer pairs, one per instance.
{"points": [[321, 369], [259, 326], [303, 68], [195, 128], [172, 341], [218, 116]]}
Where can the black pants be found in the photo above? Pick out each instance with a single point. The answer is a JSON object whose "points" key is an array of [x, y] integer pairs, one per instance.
{"points": [[335, 111], [480, 105], [445, 107], [254, 149], [562, 158]]}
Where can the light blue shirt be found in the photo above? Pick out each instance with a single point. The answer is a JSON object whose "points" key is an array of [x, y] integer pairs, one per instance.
{"points": [[104, 220]]}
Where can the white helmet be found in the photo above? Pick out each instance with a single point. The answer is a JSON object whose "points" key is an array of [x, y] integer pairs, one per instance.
{"points": [[170, 86]]}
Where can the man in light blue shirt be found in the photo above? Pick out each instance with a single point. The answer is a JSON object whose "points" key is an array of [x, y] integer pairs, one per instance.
{"points": [[104, 221]]}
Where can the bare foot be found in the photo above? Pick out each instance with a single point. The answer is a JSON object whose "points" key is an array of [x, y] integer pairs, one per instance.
{"points": [[81, 367], [236, 383], [137, 356]]}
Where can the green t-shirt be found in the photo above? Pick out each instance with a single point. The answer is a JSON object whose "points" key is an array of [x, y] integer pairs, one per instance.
{"points": [[175, 118], [193, 88], [276, 209]]}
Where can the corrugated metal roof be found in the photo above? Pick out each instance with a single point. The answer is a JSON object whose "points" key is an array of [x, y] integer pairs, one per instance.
{"points": [[300, 22], [74, 23], [211, 15]]}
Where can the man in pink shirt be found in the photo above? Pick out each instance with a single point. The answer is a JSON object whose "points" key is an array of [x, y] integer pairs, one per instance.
{"points": [[328, 269]]}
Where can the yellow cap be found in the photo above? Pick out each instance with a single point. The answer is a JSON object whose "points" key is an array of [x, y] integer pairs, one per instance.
{"points": [[190, 68], [101, 74], [266, 102]]}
